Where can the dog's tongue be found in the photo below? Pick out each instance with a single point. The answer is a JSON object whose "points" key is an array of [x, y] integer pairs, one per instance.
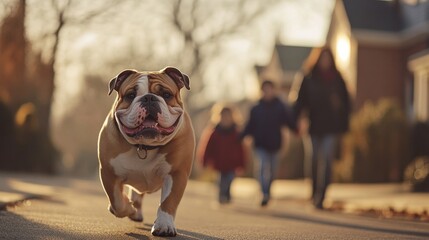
{"points": [[150, 123]]}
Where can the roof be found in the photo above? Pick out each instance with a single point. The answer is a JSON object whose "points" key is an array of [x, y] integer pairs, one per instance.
{"points": [[292, 57], [384, 15]]}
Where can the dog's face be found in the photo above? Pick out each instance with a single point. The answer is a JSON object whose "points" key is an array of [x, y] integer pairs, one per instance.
{"points": [[149, 109]]}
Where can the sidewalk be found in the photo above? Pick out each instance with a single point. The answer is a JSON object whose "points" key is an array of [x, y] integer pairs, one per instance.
{"points": [[377, 200], [385, 200]]}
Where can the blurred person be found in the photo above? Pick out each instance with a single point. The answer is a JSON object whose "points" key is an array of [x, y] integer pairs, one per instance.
{"points": [[266, 120], [36, 152], [324, 97], [28, 137], [223, 150], [7, 136]]}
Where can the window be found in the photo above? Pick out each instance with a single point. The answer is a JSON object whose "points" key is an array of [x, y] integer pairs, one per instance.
{"points": [[419, 65]]}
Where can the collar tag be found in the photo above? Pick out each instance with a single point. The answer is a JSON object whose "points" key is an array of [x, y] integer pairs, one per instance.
{"points": [[142, 152]]}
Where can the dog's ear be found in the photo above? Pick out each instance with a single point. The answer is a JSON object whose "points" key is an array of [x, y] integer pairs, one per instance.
{"points": [[116, 82], [181, 79]]}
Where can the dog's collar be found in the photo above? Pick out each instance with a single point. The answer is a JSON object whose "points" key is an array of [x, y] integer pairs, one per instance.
{"points": [[142, 150]]}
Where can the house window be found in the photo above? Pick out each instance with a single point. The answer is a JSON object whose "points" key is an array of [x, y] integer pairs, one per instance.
{"points": [[419, 65]]}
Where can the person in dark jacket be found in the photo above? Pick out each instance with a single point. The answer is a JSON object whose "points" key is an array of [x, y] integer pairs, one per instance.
{"points": [[324, 96], [225, 153], [264, 125], [7, 138]]}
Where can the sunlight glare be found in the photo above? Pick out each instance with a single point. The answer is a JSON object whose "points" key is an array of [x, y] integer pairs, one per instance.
{"points": [[343, 50]]}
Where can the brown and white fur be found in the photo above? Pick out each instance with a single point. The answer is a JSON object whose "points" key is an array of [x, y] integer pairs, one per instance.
{"points": [[147, 114]]}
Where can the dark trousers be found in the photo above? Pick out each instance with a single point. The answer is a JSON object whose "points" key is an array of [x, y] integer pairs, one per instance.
{"points": [[225, 181], [323, 155], [267, 165]]}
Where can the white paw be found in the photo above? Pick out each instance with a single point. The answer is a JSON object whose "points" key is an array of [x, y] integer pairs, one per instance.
{"points": [[164, 225]]}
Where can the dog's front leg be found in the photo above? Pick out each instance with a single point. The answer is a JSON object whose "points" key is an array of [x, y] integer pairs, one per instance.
{"points": [[120, 205], [172, 191], [136, 199]]}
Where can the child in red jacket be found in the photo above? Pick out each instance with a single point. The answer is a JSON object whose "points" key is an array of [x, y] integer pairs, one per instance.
{"points": [[224, 152]]}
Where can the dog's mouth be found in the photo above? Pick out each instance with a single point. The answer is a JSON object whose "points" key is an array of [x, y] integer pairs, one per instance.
{"points": [[149, 128]]}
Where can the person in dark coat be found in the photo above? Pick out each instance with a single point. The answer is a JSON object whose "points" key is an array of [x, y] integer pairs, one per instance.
{"points": [[225, 153], [324, 96], [7, 138], [266, 120]]}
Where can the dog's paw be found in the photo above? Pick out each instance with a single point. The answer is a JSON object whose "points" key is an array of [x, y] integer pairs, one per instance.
{"points": [[136, 217], [128, 210], [164, 225]]}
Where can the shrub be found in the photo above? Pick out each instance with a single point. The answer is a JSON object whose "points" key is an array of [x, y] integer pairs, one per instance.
{"points": [[377, 145]]}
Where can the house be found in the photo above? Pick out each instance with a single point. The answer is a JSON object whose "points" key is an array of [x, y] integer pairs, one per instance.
{"points": [[382, 49], [284, 65]]}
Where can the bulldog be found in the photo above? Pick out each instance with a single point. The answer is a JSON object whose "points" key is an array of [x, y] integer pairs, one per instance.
{"points": [[145, 144]]}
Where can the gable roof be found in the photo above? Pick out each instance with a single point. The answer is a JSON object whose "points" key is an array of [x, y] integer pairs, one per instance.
{"points": [[383, 15], [292, 57]]}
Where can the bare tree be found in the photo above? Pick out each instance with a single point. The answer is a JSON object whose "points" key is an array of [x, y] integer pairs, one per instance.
{"points": [[64, 16], [6, 6], [191, 16], [22, 71], [12, 50]]}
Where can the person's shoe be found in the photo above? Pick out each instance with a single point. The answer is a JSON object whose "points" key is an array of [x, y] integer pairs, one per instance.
{"points": [[318, 205], [317, 202], [265, 201], [224, 200]]}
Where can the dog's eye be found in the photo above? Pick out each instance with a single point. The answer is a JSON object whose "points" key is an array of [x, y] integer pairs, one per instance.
{"points": [[130, 96], [167, 95]]}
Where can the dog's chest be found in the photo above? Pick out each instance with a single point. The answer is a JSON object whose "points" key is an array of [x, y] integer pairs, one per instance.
{"points": [[146, 175]]}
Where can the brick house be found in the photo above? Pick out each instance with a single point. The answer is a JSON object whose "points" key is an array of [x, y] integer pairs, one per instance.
{"points": [[382, 48]]}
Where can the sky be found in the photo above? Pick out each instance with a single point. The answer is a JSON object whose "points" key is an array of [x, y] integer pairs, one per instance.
{"points": [[126, 33]]}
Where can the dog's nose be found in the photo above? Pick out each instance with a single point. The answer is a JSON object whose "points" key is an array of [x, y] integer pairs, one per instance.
{"points": [[148, 98]]}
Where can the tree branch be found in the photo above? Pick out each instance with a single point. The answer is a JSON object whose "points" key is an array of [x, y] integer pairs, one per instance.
{"points": [[242, 20], [60, 11], [94, 13]]}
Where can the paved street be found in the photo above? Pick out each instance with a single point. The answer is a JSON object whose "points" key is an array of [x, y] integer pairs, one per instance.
{"points": [[76, 209]]}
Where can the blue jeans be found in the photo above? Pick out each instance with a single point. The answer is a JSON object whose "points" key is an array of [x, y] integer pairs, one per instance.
{"points": [[267, 164], [323, 155], [225, 181]]}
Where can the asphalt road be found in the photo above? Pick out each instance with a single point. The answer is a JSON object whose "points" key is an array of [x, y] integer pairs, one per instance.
{"points": [[77, 209]]}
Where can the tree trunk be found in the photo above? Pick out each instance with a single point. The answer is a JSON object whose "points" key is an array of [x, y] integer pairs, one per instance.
{"points": [[12, 57]]}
